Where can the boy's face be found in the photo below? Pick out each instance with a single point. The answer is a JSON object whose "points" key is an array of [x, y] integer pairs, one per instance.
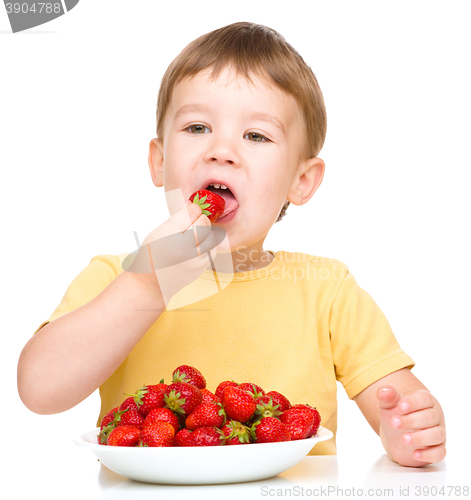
{"points": [[249, 138]]}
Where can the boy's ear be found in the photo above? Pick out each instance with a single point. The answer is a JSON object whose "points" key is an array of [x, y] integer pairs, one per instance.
{"points": [[156, 162], [308, 178]]}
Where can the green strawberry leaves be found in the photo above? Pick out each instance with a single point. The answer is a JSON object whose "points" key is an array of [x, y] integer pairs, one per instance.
{"points": [[202, 204], [174, 402]]}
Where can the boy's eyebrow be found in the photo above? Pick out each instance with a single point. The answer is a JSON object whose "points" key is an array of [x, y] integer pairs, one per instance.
{"points": [[266, 117], [190, 108], [255, 115]]}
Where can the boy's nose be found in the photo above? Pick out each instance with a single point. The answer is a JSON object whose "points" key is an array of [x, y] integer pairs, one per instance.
{"points": [[221, 151]]}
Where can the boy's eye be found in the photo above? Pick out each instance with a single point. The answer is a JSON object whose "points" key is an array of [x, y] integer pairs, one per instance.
{"points": [[253, 136], [197, 129]]}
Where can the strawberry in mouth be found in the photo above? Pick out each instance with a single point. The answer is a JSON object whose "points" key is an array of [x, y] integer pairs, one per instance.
{"points": [[231, 203], [211, 203]]}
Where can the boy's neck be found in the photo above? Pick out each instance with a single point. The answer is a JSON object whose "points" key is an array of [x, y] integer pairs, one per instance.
{"points": [[244, 259]]}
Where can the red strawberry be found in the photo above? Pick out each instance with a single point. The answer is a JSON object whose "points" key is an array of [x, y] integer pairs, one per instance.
{"points": [[207, 436], [206, 415], [157, 434], [236, 433], [222, 386], [129, 404], [270, 430], [160, 387], [183, 438], [108, 418], [107, 425], [182, 398], [211, 203], [299, 422], [129, 417], [238, 404], [126, 435], [266, 407], [189, 375], [208, 396], [279, 399], [162, 415], [104, 433], [253, 389], [316, 424], [147, 399], [315, 413]]}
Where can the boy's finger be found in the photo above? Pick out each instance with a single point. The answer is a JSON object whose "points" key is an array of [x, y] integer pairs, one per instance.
{"points": [[420, 400], [210, 239], [430, 455], [388, 397], [422, 419], [426, 437], [179, 222], [187, 216]]}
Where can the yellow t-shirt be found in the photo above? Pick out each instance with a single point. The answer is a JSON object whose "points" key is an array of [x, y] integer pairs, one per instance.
{"points": [[295, 326]]}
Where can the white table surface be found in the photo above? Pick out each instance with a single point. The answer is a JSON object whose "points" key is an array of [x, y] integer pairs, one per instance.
{"points": [[42, 460], [59, 469]]}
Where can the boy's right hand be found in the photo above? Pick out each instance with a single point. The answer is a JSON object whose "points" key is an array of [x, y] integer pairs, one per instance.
{"points": [[174, 254]]}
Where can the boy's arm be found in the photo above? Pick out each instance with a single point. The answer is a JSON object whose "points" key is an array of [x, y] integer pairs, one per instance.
{"points": [[74, 354], [407, 417]]}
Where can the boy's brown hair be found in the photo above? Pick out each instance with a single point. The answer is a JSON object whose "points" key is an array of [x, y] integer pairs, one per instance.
{"points": [[251, 49]]}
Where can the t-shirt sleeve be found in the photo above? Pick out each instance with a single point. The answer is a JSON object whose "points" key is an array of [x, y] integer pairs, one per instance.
{"points": [[364, 347], [89, 283]]}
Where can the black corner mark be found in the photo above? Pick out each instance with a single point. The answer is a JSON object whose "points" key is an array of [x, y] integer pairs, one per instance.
{"points": [[26, 14], [70, 4]]}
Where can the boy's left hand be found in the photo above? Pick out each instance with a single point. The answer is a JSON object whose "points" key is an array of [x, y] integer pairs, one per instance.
{"points": [[412, 427]]}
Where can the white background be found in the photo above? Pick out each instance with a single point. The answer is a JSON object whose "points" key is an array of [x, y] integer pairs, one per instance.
{"points": [[77, 111]]}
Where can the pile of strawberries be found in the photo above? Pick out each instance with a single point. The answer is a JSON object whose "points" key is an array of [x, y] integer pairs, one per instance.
{"points": [[185, 413]]}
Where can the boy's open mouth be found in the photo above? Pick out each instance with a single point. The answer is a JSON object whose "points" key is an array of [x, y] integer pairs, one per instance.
{"points": [[227, 194]]}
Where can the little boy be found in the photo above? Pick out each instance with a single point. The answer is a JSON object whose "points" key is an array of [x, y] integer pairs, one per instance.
{"points": [[239, 112]]}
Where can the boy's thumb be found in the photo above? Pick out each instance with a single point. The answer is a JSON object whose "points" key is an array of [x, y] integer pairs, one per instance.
{"points": [[388, 397]]}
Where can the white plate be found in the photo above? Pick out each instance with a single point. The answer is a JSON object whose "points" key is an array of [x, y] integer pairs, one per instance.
{"points": [[203, 464]]}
